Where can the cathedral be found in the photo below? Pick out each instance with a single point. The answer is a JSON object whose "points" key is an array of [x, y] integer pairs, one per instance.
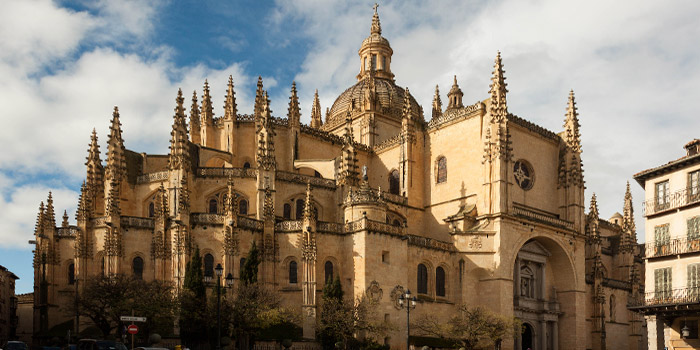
{"points": [[463, 204]]}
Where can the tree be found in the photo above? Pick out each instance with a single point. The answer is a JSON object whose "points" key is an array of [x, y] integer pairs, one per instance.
{"points": [[193, 302], [249, 271], [470, 327]]}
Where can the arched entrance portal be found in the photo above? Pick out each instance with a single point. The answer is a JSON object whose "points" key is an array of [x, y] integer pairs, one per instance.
{"points": [[527, 337]]}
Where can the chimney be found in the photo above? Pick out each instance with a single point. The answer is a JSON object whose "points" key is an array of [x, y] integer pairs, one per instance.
{"points": [[692, 147]]}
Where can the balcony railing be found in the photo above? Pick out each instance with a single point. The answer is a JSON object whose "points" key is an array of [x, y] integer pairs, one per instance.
{"points": [[676, 246], [226, 172], [671, 201], [667, 298]]}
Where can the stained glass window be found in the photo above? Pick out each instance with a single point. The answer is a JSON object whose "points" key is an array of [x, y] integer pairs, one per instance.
{"points": [[422, 279], [441, 170]]}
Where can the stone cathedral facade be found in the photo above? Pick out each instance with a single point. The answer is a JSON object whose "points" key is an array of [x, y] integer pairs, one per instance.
{"points": [[461, 204]]}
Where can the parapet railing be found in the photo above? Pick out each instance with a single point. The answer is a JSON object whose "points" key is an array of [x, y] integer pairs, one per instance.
{"points": [[152, 177], [226, 172], [671, 201], [669, 247], [688, 295], [304, 179]]}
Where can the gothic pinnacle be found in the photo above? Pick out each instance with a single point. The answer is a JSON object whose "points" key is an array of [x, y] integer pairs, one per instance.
{"points": [[65, 219], [376, 26], [195, 126], [407, 111], [294, 111], [39, 220], [230, 108], [571, 125], [179, 150], [316, 112], [498, 91], [628, 224], [116, 161], [258, 98], [207, 113], [437, 103], [50, 215], [94, 163], [455, 95], [308, 203], [594, 206]]}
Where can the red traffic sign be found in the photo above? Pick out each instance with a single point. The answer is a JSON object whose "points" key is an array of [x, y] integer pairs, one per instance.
{"points": [[133, 329]]}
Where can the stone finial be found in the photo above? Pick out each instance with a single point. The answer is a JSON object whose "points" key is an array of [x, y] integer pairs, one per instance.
{"points": [[49, 215], [571, 125], [195, 126], [455, 96], [230, 204], [294, 111], [376, 26], [348, 135], [594, 206], [628, 225], [498, 91], [257, 110], [179, 147], [116, 157], [308, 204], [316, 112], [230, 108], [437, 103], [65, 219], [207, 111], [407, 108]]}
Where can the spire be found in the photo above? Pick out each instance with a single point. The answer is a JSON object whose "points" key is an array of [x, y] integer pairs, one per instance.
{"points": [[95, 171], [207, 114], [179, 147], [308, 204], [328, 113], [628, 224], [593, 218], [65, 219], [83, 212], [258, 99], [49, 215], [437, 103], [294, 112], [116, 158], [195, 126], [499, 108], [594, 206], [316, 112], [571, 125], [265, 155], [348, 135], [230, 108], [376, 26], [454, 96], [39, 226], [161, 202]]}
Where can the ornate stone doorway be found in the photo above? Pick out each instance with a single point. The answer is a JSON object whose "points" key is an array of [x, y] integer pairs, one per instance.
{"points": [[527, 337]]}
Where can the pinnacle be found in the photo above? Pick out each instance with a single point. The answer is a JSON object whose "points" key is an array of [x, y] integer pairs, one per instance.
{"points": [[407, 104], [376, 26], [294, 111], [230, 101], [207, 114], [594, 205], [316, 121]]}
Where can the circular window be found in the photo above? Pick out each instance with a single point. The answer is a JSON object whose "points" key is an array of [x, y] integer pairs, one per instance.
{"points": [[524, 175]]}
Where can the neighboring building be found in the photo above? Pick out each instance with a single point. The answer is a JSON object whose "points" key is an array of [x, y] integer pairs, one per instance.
{"points": [[475, 206], [671, 208], [8, 305], [25, 314]]}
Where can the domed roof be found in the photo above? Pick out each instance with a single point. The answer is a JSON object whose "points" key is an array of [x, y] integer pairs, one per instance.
{"points": [[389, 101], [375, 38]]}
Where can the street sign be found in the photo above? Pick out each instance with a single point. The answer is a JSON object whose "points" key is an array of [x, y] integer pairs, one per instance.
{"points": [[132, 319], [133, 329]]}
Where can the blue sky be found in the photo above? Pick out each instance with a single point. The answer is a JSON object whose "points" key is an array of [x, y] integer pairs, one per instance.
{"points": [[634, 65]]}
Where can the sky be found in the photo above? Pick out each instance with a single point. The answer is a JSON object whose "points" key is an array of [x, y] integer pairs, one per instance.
{"points": [[64, 65]]}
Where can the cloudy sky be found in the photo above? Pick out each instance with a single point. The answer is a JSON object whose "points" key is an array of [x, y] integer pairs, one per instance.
{"points": [[634, 65]]}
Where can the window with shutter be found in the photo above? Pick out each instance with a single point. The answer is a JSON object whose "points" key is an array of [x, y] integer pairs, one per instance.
{"points": [[694, 228], [662, 283], [693, 283], [694, 186]]}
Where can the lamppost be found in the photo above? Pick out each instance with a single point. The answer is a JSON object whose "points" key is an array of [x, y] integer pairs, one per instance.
{"points": [[409, 303], [229, 282]]}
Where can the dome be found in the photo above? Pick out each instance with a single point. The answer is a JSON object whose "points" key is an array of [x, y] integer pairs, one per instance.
{"points": [[389, 102], [375, 39]]}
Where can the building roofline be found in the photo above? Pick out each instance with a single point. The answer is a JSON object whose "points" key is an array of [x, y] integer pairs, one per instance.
{"points": [[12, 275], [682, 162]]}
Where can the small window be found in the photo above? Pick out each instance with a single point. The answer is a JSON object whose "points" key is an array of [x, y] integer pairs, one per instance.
{"points": [[385, 257], [394, 182], [694, 186], [240, 269], [422, 279], [213, 206], [209, 265], [441, 170], [661, 235], [292, 272], [396, 223], [328, 271], [151, 209], [693, 280], [612, 308], [662, 195], [663, 284], [384, 63], [440, 282], [71, 274], [243, 207], [103, 266], [694, 228], [317, 174], [374, 62], [246, 165], [524, 174], [137, 267], [299, 209], [461, 269], [287, 211]]}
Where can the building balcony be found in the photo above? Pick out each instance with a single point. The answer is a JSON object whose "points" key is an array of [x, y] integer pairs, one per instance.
{"points": [[675, 301], [685, 245], [675, 200]]}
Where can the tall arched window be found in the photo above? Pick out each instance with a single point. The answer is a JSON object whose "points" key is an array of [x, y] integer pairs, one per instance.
{"points": [[394, 182], [441, 170], [612, 308], [71, 274], [292, 272], [243, 207], [213, 206], [287, 211], [151, 209], [328, 271], [440, 282], [137, 267], [209, 265], [299, 209], [422, 279]]}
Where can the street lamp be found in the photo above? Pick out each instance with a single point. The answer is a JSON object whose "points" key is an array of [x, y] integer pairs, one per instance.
{"points": [[409, 303], [219, 271]]}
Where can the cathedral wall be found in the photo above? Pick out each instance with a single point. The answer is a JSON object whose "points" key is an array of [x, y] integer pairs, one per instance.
{"points": [[381, 165], [154, 162], [137, 242], [543, 156], [385, 129], [246, 144], [311, 147]]}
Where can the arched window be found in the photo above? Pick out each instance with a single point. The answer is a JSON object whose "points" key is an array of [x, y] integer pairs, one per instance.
{"points": [[461, 269], [441, 170], [394, 182], [422, 279], [287, 211], [317, 174], [151, 209], [71, 274], [612, 308], [292, 272], [240, 269], [103, 266], [299, 209], [209, 265], [213, 206], [246, 165], [137, 267], [440, 282], [396, 222], [328, 271], [243, 207]]}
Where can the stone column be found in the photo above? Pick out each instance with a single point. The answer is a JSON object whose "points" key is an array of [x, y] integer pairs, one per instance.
{"points": [[555, 335], [543, 335]]}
